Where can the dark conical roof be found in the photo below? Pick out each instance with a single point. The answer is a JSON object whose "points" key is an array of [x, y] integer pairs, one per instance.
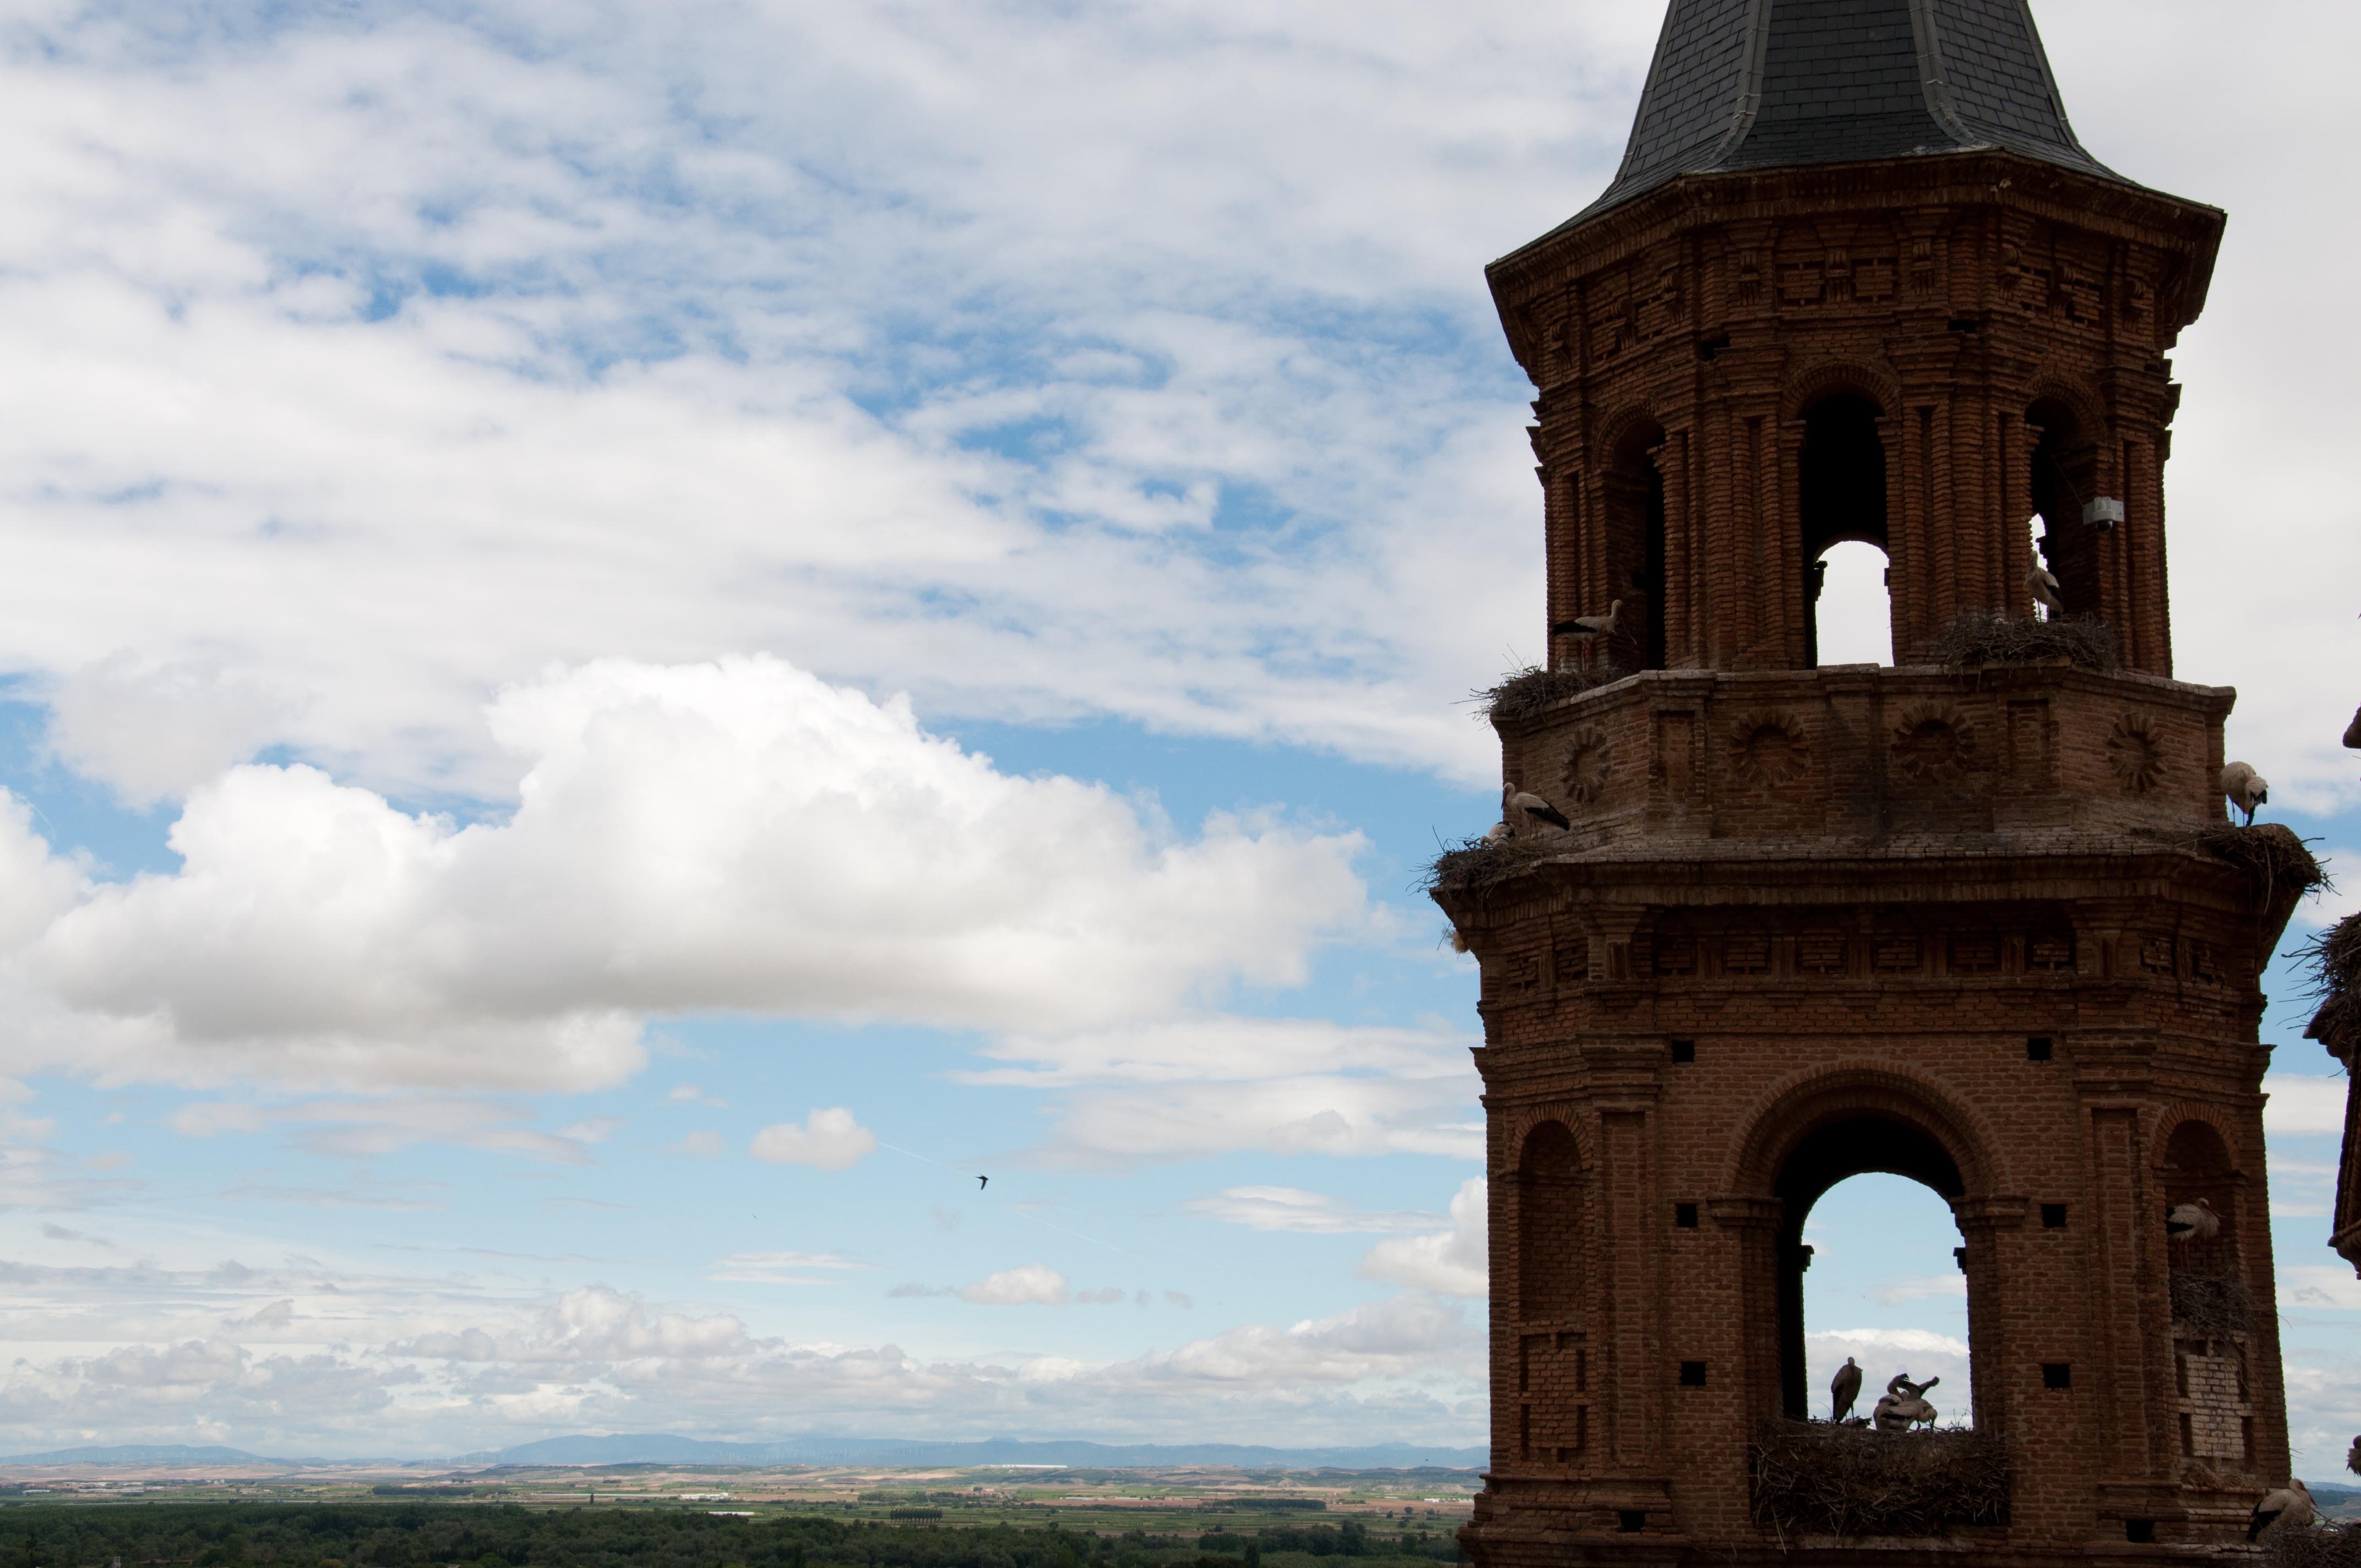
{"points": [[1771, 83]]}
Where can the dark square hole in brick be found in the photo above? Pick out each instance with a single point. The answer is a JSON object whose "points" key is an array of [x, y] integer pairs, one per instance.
{"points": [[2140, 1532], [2056, 1374], [1684, 1216], [1691, 1374], [1683, 1051], [2053, 1216], [2037, 1047], [1631, 1522]]}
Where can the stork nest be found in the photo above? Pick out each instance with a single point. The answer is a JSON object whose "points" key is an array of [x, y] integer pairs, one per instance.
{"points": [[2334, 957], [2269, 852], [1522, 693], [2214, 1308], [2336, 1546], [1988, 637], [1814, 1478], [1473, 868]]}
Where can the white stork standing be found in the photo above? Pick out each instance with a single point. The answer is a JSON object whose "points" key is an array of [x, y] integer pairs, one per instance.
{"points": [[2192, 1222], [2246, 789], [1520, 809], [2044, 589], [1843, 1389], [1589, 630], [2289, 1504]]}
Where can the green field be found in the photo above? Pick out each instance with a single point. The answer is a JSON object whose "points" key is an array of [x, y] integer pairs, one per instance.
{"points": [[38, 1533]]}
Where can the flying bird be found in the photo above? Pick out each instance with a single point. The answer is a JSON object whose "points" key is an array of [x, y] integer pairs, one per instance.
{"points": [[1518, 806], [2246, 789], [2288, 1504], [1843, 1389], [2044, 589], [982, 1182], [2184, 1222], [1587, 630]]}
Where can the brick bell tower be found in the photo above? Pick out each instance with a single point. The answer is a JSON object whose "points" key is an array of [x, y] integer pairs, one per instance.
{"points": [[1979, 921]]}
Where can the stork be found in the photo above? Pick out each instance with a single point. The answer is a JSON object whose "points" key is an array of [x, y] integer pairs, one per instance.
{"points": [[2288, 1504], [1843, 1389], [1519, 808], [2192, 1222], [2246, 789], [2044, 589], [1588, 630]]}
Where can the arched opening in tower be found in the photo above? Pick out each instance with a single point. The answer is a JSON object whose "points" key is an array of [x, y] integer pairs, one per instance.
{"points": [[1553, 1349], [2065, 478], [1883, 1289], [1635, 548], [1842, 486], [1854, 619], [1855, 1147], [2213, 1313]]}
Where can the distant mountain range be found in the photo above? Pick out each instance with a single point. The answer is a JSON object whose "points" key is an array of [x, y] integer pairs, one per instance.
{"points": [[140, 1454], [655, 1449]]}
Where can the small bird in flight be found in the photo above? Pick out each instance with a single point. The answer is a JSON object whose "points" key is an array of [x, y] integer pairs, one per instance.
{"points": [[982, 1182]]}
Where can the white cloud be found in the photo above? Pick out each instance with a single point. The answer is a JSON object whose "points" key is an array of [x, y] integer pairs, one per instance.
{"points": [[829, 1139], [1027, 1285], [1215, 1083], [1293, 1209], [737, 835], [1453, 1264], [2301, 1105], [704, 1143], [2333, 1286], [1883, 1354], [784, 1268]]}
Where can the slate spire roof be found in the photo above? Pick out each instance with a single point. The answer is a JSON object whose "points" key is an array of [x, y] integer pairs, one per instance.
{"points": [[1771, 83]]}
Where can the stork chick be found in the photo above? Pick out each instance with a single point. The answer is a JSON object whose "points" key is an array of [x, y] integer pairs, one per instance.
{"points": [[1521, 810], [2192, 1222], [2246, 789]]}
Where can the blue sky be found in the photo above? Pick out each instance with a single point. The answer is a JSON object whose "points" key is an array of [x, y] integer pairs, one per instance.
{"points": [[639, 639]]}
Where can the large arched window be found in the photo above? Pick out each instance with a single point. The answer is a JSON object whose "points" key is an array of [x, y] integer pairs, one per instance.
{"points": [[1635, 546], [1883, 1285], [2065, 478], [1849, 1147], [1842, 484]]}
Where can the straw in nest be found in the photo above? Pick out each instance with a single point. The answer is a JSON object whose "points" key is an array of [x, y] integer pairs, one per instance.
{"points": [[2269, 852], [1986, 637], [2337, 1546], [1475, 866], [1813, 1479], [2214, 1308], [1532, 689]]}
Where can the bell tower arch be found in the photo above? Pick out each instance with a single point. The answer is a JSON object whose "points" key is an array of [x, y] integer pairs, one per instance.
{"points": [[1977, 918]]}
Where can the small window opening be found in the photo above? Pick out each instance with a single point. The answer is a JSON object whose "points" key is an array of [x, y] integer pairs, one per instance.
{"points": [[1685, 1215], [2037, 1047], [1683, 1051], [1691, 1374], [1630, 1521], [2140, 1532], [2058, 1375], [2053, 1216]]}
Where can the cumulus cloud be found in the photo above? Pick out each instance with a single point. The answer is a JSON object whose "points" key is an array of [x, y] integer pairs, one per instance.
{"points": [[1028, 1285], [1452, 1263], [1882, 1354], [731, 835], [829, 1139]]}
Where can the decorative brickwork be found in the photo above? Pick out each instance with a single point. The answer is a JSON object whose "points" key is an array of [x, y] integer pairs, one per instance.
{"points": [[1970, 925]]}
